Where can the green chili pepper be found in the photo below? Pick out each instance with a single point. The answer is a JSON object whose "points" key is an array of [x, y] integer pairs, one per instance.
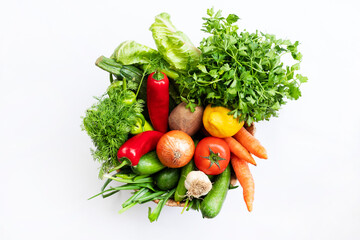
{"points": [[141, 125], [130, 96]]}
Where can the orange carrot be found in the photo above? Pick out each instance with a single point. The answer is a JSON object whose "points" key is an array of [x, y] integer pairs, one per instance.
{"points": [[246, 180], [237, 149], [251, 143]]}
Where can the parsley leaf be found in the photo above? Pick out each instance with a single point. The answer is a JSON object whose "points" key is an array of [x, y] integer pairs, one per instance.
{"points": [[242, 71]]}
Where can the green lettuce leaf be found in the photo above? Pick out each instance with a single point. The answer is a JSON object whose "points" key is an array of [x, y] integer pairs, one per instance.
{"points": [[175, 47], [131, 52]]}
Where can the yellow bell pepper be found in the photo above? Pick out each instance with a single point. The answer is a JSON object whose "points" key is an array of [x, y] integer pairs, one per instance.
{"points": [[219, 124]]}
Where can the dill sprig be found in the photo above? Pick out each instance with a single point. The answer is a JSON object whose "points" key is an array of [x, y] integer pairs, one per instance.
{"points": [[108, 123]]}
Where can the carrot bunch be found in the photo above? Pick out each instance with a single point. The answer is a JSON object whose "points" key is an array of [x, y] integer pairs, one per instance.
{"points": [[242, 145]]}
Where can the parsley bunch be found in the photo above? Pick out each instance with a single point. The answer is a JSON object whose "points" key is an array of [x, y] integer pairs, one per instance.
{"points": [[108, 123], [242, 71]]}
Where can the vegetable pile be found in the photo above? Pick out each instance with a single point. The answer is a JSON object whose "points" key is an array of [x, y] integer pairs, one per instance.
{"points": [[174, 124]]}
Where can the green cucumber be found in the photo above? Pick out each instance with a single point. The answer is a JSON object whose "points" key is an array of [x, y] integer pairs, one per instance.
{"points": [[180, 192], [212, 203], [167, 178], [148, 164]]}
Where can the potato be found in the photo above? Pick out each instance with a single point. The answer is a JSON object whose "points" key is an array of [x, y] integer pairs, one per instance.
{"points": [[183, 119]]}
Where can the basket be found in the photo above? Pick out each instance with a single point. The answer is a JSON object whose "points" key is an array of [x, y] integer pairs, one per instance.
{"points": [[172, 203]]}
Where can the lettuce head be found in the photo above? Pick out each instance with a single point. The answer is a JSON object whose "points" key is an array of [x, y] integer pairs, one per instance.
{"points": [[175, 47], [131, 52]]}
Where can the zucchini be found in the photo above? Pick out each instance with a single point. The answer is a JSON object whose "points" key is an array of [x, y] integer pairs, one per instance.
{"points": [[212, 203], [167, 178], [148, 164], [119, 70], [123, 71], [131, 72], [180, 192]]}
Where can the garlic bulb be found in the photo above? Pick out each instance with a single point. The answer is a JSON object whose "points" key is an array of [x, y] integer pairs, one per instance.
{"points": [[198, 184]]}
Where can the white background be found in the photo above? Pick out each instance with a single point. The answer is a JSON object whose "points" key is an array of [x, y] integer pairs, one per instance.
{"points": [[308, 189]]}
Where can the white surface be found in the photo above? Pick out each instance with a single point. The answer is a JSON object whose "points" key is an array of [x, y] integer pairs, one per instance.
{"points": [[308, 189]]}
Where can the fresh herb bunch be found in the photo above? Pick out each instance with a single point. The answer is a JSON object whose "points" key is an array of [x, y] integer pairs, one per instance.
{"points": [[109, 121], [242, 71]]}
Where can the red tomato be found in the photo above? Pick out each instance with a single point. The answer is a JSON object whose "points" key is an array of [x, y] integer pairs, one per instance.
{"points": [[212, 155]]}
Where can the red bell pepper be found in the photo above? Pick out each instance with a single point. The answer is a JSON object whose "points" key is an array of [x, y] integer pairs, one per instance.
{"points": [[158, 100], [134, 148]]}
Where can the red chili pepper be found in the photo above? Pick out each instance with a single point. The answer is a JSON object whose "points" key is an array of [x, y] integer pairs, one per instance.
{"points": [[134, 148], [158, 100]]}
